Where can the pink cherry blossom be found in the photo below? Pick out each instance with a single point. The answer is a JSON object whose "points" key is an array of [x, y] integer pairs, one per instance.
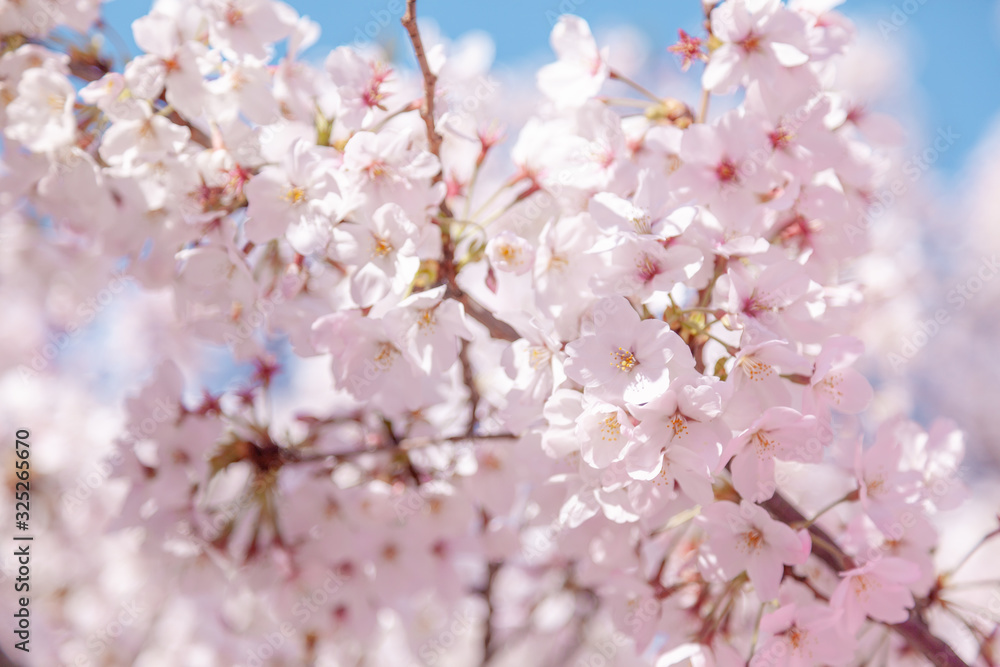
{"points": [[744, 538], [581, 69], [41, 117], [780, 433], [877, 589], [799, 636], [509, 252], [757, 39], [624, 357], [384, 250], [834, 384], [306, 365]]}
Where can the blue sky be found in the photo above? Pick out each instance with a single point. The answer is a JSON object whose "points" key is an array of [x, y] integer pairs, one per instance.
{"points": [[954, 44]]}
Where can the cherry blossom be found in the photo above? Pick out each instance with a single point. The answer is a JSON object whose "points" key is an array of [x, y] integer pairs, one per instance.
{"points": [[625, 357], [744, 537], [581, 69], [877, 589], [321, 369], [757, 39], [384, 251]]}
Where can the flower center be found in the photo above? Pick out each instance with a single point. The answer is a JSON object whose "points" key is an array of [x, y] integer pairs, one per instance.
{"points": [[538, 356], [234, 16], [763, 445], [382, 246], [642, 223], [781, 137], [750, 43], [558, 262], [864, 586], [725, 171], [509, 253], [647, 267], [753, 540], [426, 319], [387, 353], [678, 424], [376, 169], [611, 428], [755, 368], [56, 102], [623, 359], [295, 195], [829, 385]]}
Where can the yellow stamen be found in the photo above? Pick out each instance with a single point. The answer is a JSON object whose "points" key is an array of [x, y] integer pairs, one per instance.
{"points": [[382, 247], [295, 195], [623, 359]]}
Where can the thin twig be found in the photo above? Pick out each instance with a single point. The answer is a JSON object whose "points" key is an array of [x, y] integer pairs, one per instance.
{"points": [[497, 328], [703, 111], [974, 549], [430, 81], [618, 76]]}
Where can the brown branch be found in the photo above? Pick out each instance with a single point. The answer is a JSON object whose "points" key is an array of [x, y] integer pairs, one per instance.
{"points": [[406, 445], [498, 329], [914, 630], [430, 81], [489, 643], [449, 276], [397, 446], [5, 661], [198, 136], [469, 378]]}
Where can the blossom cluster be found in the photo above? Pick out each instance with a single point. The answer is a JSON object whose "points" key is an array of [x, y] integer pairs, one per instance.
{"points": [[581, 388]]}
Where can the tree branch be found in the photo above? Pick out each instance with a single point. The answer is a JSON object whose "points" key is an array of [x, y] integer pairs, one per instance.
{"points": [[914, 630], [469, 378], [406, 445], [489, 639], [498, 329], [430, 81]]}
